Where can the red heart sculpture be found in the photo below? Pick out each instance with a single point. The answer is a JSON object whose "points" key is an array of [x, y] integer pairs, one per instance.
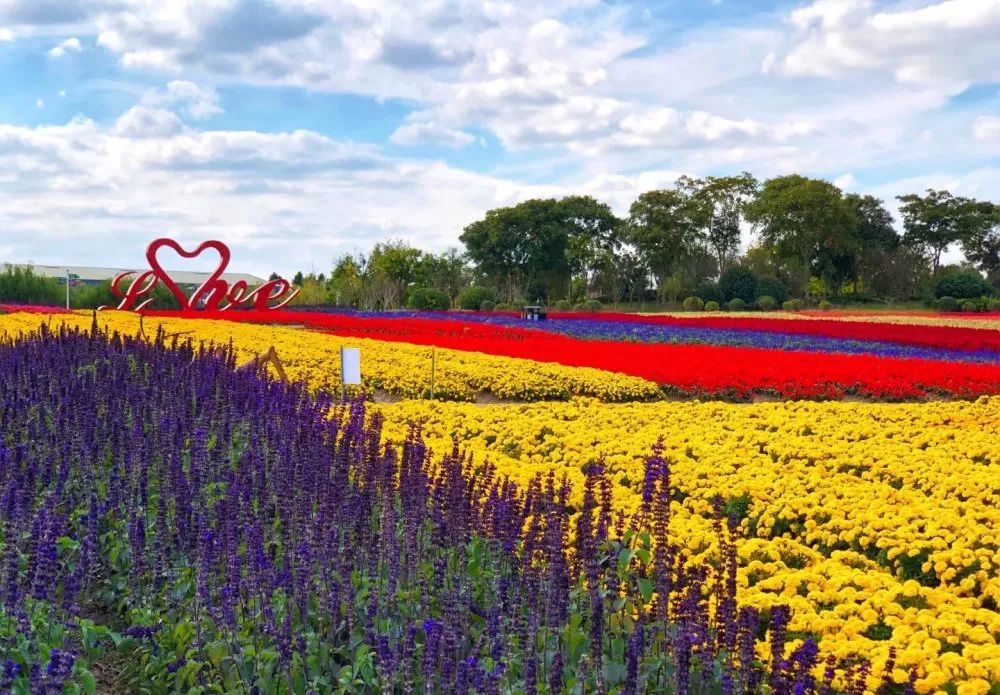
{"points": [[212, 284]]}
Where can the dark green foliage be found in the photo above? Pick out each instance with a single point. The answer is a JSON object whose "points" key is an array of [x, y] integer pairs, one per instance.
{"points": [[793, 305], [564, 305], [737, 304], [947, 304], [711, 306], [21, 285], [962, 285], [767, 303], [95, 296], [428, 299], [769, 286], [825, 305], [472, 298], [693, 304], [738, 283], [709, 292], [592, 305], [969, 306], [487, 305]]}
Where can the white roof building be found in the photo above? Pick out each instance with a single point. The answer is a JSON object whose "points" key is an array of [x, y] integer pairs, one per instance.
{"points": [[92, 275]]}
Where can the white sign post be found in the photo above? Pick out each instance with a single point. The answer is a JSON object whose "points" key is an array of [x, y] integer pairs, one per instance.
{"points": [[350, 368]]}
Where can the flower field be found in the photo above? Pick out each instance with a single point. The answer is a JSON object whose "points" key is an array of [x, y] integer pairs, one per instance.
{"points": [[213, 530]]}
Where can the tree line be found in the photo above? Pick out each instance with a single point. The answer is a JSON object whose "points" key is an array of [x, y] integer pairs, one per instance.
{"points": [[810, 240]]}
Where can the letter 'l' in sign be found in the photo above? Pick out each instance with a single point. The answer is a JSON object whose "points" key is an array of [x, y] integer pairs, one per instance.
{"points": [[215, 294]]}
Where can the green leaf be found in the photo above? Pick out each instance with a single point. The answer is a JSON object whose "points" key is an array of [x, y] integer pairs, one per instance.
{"points": [[646, 589]]}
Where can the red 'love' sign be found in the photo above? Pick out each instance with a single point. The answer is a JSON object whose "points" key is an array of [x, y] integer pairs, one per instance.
{"points": [[215, 294]]}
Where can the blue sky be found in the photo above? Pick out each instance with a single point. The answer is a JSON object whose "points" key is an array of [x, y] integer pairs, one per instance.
{"points": [[297, 130]]}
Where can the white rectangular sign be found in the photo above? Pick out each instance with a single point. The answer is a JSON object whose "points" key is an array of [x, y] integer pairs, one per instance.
{"points": [[350, 365]]}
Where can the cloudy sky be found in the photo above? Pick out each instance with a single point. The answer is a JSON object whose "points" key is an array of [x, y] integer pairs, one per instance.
{"points": [[296, 130]]}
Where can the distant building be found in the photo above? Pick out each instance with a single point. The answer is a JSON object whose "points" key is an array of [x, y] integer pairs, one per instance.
{"points": [[88, 275]]}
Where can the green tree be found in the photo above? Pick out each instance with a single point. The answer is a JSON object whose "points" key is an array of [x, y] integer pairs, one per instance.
{"points": [[721, 201], [447, 271], [391, 268], [346, 282], [981, 244], [798, 217], [539, 243], [664, 227], [592, 233], [937, 220]]}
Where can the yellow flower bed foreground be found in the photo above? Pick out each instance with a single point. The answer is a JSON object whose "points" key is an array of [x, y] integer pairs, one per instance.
{"points": [[398, 368], [878, 524]]}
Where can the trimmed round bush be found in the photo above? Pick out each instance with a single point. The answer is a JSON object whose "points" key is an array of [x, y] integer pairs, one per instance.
{"points": [[709, 292], [738, 283], [767, 303], [579, 307], [472, 298], [962, 285], [564, 305], [503, 306], [737, 304], [592, 305], [711, 306], [993, 305], [693, 304], [947, 304], [969, 306], [793, 305], [825, 306], [768, 286], [428, 299], [487, 305]]}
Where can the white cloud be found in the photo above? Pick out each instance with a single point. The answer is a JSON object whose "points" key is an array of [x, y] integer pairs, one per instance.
{"points": [[986, 128], [951, 41], [197, 102], [91, 194], [431, 134], [40, 103], [6, 34], [70, 45]]}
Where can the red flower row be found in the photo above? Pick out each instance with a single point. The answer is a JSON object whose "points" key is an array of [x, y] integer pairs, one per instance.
{"points": [[692, 369], [945, 337]]}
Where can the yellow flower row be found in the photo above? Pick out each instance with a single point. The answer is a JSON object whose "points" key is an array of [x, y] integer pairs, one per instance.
{"points": [[396, 368], [878, 524]]}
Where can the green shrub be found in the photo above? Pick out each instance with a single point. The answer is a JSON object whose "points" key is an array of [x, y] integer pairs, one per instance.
{"points": [[472, 298], [962, 285], [993, 305], [768, 286], [737, 304], [793, 305], [693, 304], [564, 305], [709, 292], [592, 305], [579, 306], [503, 306], [428, 299], [969, 306], [825, 305], [711, 306], [94, 296], [487, 305], [767, 303], [20, 284], [738, 283], [947, 304]]}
